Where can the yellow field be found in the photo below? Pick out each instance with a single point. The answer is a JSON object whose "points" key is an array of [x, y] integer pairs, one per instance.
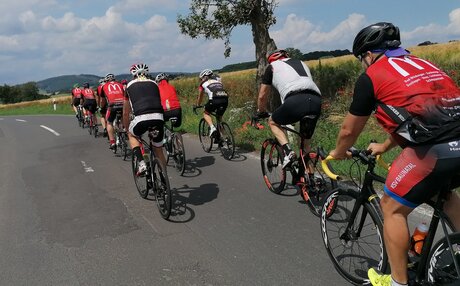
{"points": [[64, 99]]}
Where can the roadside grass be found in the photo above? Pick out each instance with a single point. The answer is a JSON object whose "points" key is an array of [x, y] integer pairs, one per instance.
{"points": [[43, 106]]}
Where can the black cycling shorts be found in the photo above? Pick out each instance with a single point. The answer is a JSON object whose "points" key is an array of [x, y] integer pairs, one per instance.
{"points": [[141, 124], [173, 113], [90, 105], [217, 105], [112, 112], [296, 107], [76, 102]]}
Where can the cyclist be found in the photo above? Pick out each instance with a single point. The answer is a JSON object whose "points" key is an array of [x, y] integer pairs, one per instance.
{"points": [[299, 97], [112, 91], [142, 98], [211, 85], [76, 98], [409, 96], [100, 101], [169, 99], [124, 82], [89, 101]]}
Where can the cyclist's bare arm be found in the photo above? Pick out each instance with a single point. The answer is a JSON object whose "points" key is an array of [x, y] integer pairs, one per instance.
{"points": [[200, 98], [126, 112], [351, 128], [263, 97]]}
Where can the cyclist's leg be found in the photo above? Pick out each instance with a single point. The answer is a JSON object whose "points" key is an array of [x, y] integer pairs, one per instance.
{"points": [[452, 209], [208, 108], [220, 106], [396, 236], [111, 114]]}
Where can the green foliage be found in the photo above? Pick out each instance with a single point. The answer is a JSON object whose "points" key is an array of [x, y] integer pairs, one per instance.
{"points": [[294, 53], [331, 79], [20, 93]]}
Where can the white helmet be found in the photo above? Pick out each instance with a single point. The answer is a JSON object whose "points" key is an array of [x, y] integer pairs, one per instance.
{"points": [[139, 69], [161, 76], [206, 72], [110, 77]]}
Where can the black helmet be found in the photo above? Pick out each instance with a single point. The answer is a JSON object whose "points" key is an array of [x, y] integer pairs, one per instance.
{"points": [[86, 85], [376, 36]]}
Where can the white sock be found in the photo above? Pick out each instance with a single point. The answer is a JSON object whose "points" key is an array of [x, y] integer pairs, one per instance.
{"points": [[394, 283]]}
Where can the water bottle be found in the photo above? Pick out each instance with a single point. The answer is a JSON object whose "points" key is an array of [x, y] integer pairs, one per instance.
{"points": [[146, 156], [418, 238]]}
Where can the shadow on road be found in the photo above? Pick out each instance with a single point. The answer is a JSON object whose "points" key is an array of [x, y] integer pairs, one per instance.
{"points": [[192, 166], [186, 195]]}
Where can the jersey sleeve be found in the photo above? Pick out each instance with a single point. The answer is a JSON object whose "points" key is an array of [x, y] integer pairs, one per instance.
{"points": [[267, 77], [364, 101]]}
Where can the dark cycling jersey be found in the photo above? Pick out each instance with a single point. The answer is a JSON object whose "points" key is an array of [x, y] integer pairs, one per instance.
{"points": [[144, 96]]}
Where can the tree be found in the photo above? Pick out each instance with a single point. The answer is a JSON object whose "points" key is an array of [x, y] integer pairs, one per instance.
{"points": [[215, 19], [294, 53]]}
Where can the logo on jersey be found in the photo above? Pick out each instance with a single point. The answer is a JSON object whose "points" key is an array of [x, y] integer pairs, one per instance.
{"points": [[114, 88]]}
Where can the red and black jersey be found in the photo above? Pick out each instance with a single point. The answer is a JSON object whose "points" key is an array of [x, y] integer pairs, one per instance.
{"points": [[406, 86], [76, 92], [144, 96], [169, 99], [88, 93], [113, 91]]}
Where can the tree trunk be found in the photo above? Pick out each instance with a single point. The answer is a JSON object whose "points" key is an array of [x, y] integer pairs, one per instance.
{"points": [[264, 44]]}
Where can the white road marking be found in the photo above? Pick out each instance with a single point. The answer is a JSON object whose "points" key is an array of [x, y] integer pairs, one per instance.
{"points": [[49, 129], [87, 168], [21, 120]]}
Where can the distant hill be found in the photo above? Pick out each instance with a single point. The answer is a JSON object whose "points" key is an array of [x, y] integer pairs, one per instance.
{"points": [[64, 83]]}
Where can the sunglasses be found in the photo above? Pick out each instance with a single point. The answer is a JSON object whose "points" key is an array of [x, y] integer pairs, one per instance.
{"points": [[361, 57]]}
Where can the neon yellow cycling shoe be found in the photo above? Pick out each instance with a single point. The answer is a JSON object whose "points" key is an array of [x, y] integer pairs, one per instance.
{"points": [[377, 279]]}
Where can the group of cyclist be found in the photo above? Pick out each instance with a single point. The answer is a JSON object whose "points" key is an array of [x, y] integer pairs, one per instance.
{"points": [[415, 102]]}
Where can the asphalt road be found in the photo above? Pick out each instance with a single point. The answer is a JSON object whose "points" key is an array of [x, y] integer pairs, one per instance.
{"points": [[70, 215]]}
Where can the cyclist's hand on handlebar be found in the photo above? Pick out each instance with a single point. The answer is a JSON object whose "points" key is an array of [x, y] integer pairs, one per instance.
{"points": [[377, 148], [339, 156]]}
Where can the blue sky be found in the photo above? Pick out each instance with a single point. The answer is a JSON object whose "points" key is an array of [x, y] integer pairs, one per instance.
{"points": [[45, 38]]}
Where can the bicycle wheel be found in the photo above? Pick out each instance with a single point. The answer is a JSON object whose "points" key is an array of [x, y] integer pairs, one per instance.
{"points": [[90, 127], [161, 188], [123, 146], [226, 142], [142, 182], [203, 133], [96, 131], [355, 249], [441, 269], [315, 188], [271, 161], [178, 152]]}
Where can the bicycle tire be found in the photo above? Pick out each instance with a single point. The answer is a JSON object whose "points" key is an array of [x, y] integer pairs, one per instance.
{"points": [[226, 141], [271, 161], [90, 129], [203, 132], [141, 182], [440, 269], [161, 189], [314, 192], [178, 152], [96, 131], [351, 255], [123, 146]]}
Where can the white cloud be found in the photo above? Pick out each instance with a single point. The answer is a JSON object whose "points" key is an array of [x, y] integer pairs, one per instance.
{"points": [[301, 34]]}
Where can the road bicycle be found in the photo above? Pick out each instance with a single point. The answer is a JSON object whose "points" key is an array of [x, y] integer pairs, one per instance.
{"points": [[80, 117], [352, 221], [306, 171], [121, 137], [155, 178], [223, 136], [438, 263], [174, 146]]}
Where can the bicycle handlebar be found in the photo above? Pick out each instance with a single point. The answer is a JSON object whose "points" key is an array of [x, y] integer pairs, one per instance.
{"points": [[363, 155]]}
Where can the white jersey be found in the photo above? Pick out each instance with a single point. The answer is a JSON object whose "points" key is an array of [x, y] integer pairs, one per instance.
{"points": [[213, 88], [291, 75]]}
